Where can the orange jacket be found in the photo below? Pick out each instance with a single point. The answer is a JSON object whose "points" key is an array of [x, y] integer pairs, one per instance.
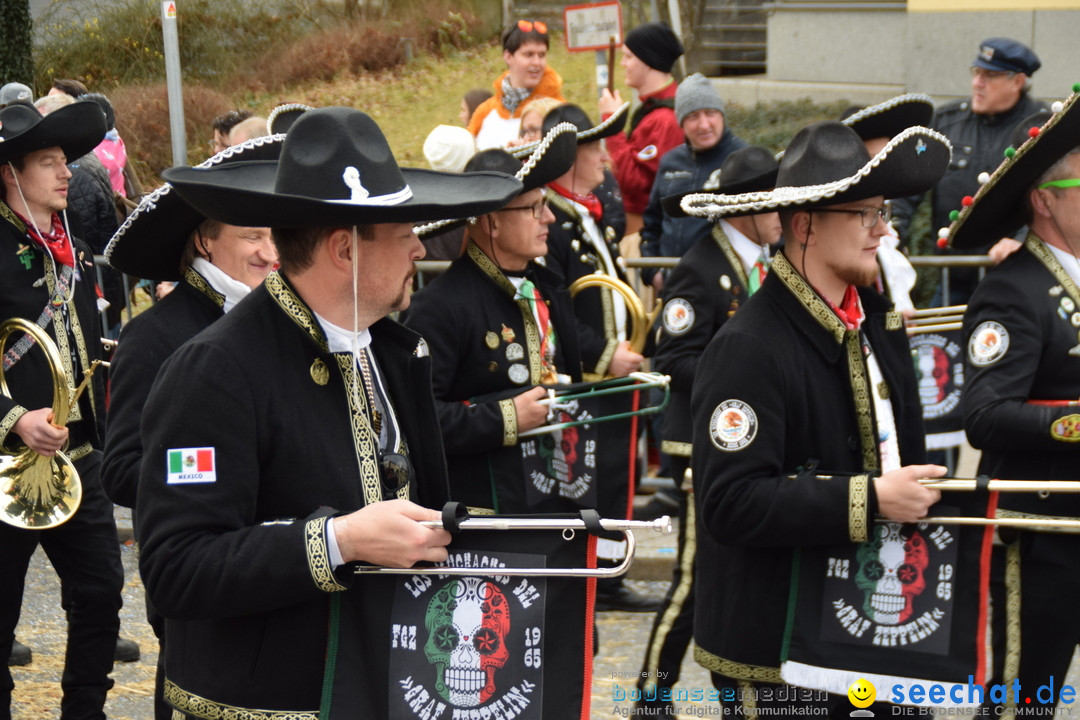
{"points": [[550, 85]]}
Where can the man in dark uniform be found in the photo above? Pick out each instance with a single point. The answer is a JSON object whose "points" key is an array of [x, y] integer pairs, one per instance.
{"points": [[1023, 381], [581, 242], [47, 279], [298, 433], [979, 131], [705, 290], [812, 375], [499, 326], [693, 165], [213, 265]]}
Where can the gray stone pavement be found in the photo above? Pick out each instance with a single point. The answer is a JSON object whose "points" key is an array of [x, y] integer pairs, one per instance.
{"points": [[622, 641]]}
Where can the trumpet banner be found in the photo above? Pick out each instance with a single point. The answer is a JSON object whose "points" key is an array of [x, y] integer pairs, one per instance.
{"points": [[491, 646], [907, 607]]}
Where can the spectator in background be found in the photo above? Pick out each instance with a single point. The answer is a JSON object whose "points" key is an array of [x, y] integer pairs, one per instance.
{"points": [[111, 152], [497, 120], [222, 125], [66, 86], [696, 163], [15, 92], [447, 149], [247, 129], [649, 52], [472, 100]]}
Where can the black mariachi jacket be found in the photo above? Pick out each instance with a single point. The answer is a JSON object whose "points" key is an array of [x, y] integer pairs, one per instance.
{"points": [[783, 388], [485, 348], [145, 343], [571, 255], [27, 282], [704, 291], [1023, 332], [239, 566]]}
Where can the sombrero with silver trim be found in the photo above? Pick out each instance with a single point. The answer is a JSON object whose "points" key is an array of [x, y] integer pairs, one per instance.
{"points": [[76, 129], [553, 155], [586, 131], [828, 164], [336, 169], [282, 117], [891, 117], [998, 210], [151, 241], [749, 169]]}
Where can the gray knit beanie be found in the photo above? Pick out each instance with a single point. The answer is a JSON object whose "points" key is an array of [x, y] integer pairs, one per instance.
{"points": [[696, 93]]}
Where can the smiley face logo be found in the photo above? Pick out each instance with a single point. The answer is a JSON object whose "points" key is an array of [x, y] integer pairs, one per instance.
{"points": [[861, 693]]}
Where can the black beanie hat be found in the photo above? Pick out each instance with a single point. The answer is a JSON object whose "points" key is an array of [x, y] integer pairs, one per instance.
{"points": [[655, 44]]}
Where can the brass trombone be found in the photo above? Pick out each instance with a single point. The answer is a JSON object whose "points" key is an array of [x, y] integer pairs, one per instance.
{"points": [[942, 319], [39, 492], [641, 319], [569, 528]]}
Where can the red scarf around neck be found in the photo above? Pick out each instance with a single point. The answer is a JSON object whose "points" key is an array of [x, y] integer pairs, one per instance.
{"points": [[849, 311], [590, 201], [55, 241]]}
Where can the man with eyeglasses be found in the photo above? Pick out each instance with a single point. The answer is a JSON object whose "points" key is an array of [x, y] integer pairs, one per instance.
{"points": [[979, 131], [500, 326], [496, 121], [812, 376], [1023, 381]]}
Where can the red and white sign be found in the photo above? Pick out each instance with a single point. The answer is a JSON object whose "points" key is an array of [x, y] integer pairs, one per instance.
{"points": [[592, 26], [169, 6]]}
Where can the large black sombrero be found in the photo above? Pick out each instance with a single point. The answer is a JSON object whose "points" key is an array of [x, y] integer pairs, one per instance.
{"points": [[583, 126], [151, 241], [998, 209], [76, 129], [336, 168], [748, 169], [828, 164], [890, 118], [551, 158]]}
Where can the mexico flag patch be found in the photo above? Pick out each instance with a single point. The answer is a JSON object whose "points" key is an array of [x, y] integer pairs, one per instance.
{"points": [[190, 465]]}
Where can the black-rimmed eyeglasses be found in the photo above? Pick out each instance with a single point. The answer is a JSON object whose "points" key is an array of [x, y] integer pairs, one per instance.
{"points": [[869, 216], [537, 209]]}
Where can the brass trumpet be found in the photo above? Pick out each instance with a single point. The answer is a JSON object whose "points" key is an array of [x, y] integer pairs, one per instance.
{"points": [[38, 492], [642, 320]]}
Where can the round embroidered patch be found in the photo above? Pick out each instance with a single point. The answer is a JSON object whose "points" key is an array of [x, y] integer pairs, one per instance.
{"points": [[733, 425], [988, 344], [678, 316], [1066, 429]]}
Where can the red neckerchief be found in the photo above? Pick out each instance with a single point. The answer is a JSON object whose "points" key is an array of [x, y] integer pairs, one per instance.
{"points": [[590, 201], [849, 311], [56, 242]]}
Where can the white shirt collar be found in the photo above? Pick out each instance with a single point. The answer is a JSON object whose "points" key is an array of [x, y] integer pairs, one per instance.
{"points": [[233, 290], [341, 340], [747, 249], [1068, 261]]}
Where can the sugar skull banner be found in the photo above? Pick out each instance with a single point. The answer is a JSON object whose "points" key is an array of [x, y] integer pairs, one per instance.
{"points": [[939, 367], [907, 606], [495, 646], [562, 464]]}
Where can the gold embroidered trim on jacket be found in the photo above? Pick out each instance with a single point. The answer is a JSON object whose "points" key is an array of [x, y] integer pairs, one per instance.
{"points": [[59, 334], [200, 283], [809, 299], [80, 452], [364, 437], [509, 417], [8, 422], [858, 497], [295, 308], [532, 332], [604, 362], [318, 556], [894, 320], [738, 671], [682, 449], [199, 707], [1011, 670], [732, 256], [1037, 247], [864, 403]]}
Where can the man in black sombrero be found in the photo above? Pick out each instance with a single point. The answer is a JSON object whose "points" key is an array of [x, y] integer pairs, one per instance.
{"points": [[1023, 380], [48, 280], [705, 290], [297, 435], [214, 266], [813, 375], [583, 241], [499, 326]]}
